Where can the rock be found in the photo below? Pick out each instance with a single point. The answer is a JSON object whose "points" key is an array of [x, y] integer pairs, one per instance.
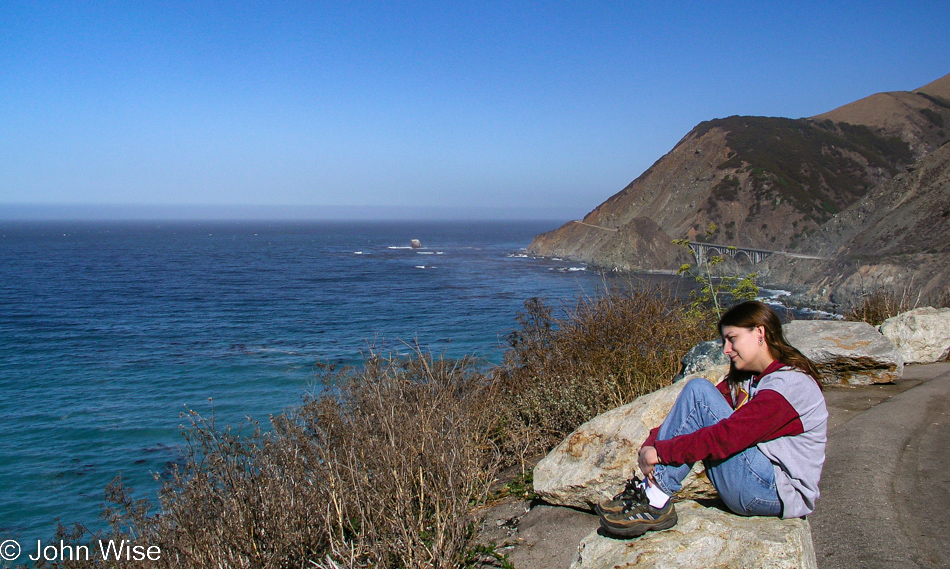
{"points": [[705, 537], [415, 244], [547, 536], [593, 462], [704, 359], [921, 335], [851, 353]]}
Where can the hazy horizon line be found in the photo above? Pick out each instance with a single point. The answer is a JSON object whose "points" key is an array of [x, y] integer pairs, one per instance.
{"points": [[236, 212]]}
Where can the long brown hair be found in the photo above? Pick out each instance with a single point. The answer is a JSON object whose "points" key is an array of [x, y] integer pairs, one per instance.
{"points": [[753, 313]]}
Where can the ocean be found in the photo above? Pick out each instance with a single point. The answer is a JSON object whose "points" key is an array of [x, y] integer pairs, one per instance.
{"points": [[109, 331]]}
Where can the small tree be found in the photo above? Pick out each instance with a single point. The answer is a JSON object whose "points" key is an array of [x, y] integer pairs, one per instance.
{"points": [[716, 288]]}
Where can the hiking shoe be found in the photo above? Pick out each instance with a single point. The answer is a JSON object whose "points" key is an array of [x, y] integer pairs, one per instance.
{"points": [[633, 490], [639, 517]]}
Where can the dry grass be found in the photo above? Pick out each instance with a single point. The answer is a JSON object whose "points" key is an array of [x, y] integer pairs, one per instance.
{"points": [[875, 307], [385, 466]]}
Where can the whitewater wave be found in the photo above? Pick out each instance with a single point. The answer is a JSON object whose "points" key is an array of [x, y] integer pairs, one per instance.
{"points": [[766, 294], [778, 297]]}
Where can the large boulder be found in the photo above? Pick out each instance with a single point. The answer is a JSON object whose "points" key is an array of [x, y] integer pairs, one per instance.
{"points": [[592, 463], [705, 537], [704, 359], [921, 335], [850, 353]]}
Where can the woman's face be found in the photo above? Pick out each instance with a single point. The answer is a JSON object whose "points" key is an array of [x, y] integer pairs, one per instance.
{"points": [[746, 348]]}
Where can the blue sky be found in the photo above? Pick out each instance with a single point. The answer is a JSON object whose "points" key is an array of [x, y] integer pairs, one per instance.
{"points": [[529, 109]]}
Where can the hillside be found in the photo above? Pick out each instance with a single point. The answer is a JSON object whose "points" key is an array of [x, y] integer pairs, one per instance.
{"points": [[894, 238], [776, 183], [918, 117]]}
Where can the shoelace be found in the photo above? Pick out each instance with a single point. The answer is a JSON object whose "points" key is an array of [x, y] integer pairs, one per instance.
{"points": [[633, 494], [629, 489]]}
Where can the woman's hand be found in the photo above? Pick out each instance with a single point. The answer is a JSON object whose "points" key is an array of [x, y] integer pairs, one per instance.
{"points": [[647, 460]]}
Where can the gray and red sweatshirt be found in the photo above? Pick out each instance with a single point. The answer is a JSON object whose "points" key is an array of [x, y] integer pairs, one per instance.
{"points": [[785, 417]]}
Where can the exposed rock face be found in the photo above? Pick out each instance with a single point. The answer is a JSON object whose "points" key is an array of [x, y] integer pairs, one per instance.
{"points": [[895, 238], [591, 464], [705, 537], [636, 244], [921, 335], [851, 353]]}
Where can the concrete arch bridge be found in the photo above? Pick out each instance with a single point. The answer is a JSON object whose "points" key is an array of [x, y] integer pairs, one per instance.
{"points": [[703, 251]]}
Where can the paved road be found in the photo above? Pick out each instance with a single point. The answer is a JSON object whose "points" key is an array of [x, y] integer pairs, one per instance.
{"points": [[885, 489]]}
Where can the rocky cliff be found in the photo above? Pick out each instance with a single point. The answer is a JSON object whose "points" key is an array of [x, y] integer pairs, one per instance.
{"points": [[862, 185], [897, 238]]}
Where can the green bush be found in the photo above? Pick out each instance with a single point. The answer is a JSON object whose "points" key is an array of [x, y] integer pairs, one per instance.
{"points": [[939, 101], [934, 117]]}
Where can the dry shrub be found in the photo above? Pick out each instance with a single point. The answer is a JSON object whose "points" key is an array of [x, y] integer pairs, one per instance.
{"points": [[243, 500], [877, 306], [407, 455], [605, 351]]}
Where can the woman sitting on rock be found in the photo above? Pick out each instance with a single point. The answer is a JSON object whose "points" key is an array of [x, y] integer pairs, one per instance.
{"points": [[761, 433]]}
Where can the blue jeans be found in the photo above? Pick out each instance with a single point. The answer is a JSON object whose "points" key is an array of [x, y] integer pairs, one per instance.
{"points": [[745, 481]]}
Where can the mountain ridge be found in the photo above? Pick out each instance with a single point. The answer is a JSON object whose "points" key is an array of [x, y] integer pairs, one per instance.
{"points": [[780, 184]]}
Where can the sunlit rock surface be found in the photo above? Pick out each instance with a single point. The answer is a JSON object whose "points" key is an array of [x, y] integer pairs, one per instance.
{"points": [[708, 538], [850, 353]]}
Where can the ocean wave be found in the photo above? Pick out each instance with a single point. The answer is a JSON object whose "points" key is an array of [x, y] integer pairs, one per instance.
{"points": [[766, 294], [777, 297], [398, 247], [251, 350]]}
